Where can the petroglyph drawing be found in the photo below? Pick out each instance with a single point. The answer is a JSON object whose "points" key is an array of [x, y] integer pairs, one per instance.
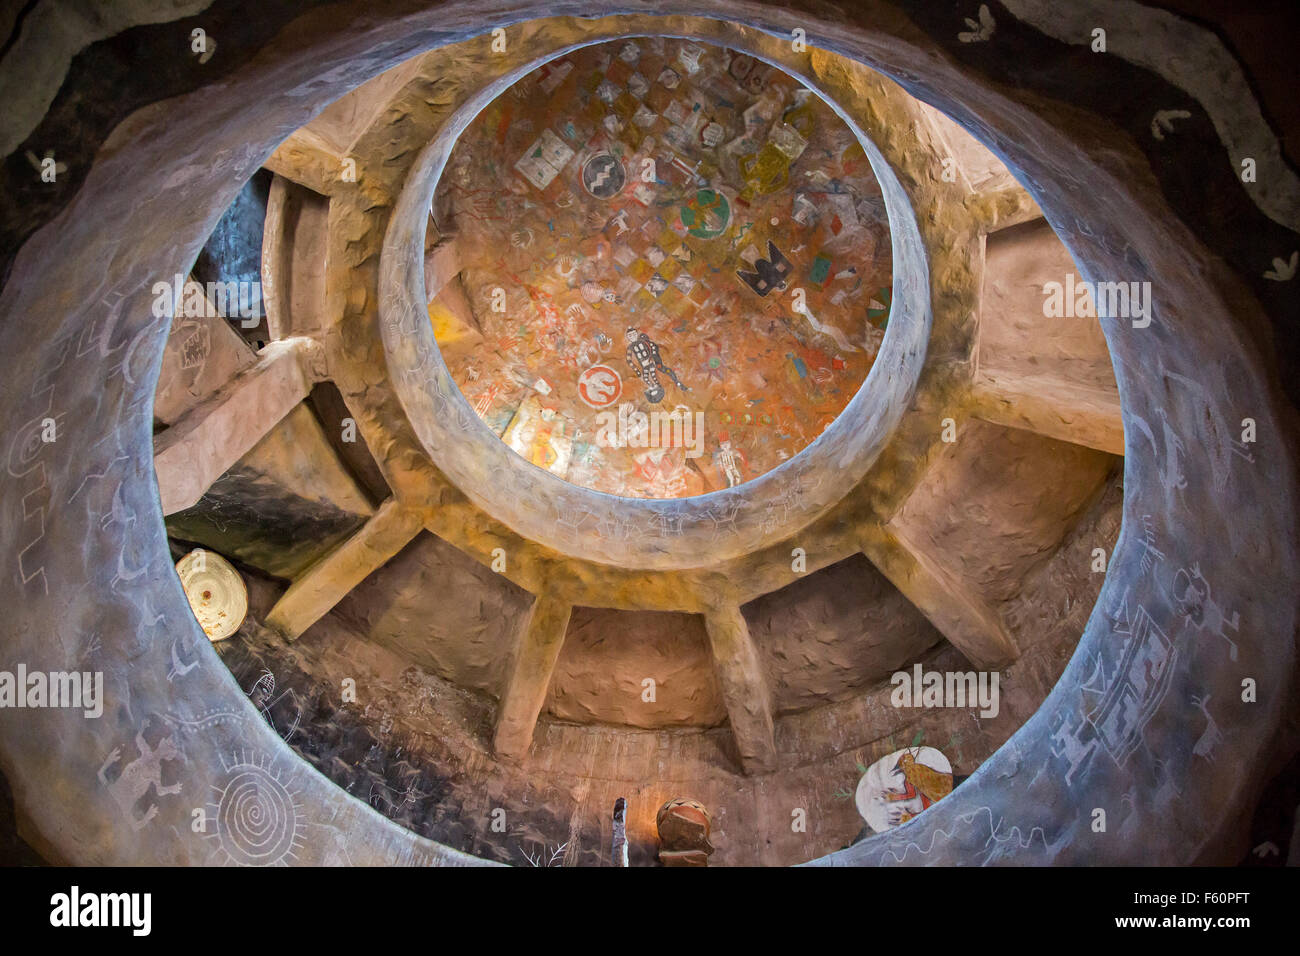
{"points": [[261, 696], [131, 786], [1142, 679], [1169, 452], [255, 814], [1192, 599], [384, 796], [1151, 555], [1129, 681], [1210, 737], [178, 667]]}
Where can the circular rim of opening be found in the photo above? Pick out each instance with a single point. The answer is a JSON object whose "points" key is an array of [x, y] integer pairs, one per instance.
{"points": [[643, 533]]}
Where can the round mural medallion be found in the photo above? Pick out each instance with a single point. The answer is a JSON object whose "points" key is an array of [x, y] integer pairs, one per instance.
{"points": [[706, 214], [600, 386], [898, 787], [603, 176]]}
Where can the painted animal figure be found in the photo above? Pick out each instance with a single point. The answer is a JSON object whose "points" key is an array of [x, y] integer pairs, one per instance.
{"points": [[931, 785], [646, 362]]}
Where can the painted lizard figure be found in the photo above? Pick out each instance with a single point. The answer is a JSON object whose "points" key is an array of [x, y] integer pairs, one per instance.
{"points": [[643, 355]]}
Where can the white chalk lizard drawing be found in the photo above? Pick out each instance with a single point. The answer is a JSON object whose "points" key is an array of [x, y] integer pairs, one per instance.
{"points": [[137, 776]]}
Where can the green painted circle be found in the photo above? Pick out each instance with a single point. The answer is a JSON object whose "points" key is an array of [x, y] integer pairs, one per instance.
{"points": [[695, 218]]}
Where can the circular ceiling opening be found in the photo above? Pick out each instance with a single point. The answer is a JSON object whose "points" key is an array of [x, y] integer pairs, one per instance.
{"points": [[675, 267]]}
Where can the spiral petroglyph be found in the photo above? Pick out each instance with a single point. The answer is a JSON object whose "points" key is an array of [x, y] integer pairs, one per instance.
{"points": [[258, 821]]}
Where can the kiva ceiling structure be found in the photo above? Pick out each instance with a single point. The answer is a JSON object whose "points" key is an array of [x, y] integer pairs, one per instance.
{"points": [[633, 188], [462, 607]]}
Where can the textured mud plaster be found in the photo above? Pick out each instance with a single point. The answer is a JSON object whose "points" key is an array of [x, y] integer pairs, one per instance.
{"points": [[989, 501], [465, 635], [835, 632], [89, 582], [1054, 602], [294, 260], [1042, 363], [608, 656], [1015, 332]]}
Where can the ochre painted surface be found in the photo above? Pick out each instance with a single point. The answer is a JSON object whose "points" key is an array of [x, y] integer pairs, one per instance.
{"points": [[682, 192]]}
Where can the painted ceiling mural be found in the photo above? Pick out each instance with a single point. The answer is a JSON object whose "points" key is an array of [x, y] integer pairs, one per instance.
{"points": [[677, 262]]}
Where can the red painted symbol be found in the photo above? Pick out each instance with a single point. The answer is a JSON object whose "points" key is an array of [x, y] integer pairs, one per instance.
{"points": [[600, 386]]}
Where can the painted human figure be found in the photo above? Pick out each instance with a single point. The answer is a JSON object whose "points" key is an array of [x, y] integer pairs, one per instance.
{"points": [[1193, 601], [540, 450], [728, 460], [643, 355]]}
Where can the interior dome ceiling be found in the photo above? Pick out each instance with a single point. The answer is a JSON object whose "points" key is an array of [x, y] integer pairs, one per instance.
{"points": [[444, 663], [638, 223]]}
